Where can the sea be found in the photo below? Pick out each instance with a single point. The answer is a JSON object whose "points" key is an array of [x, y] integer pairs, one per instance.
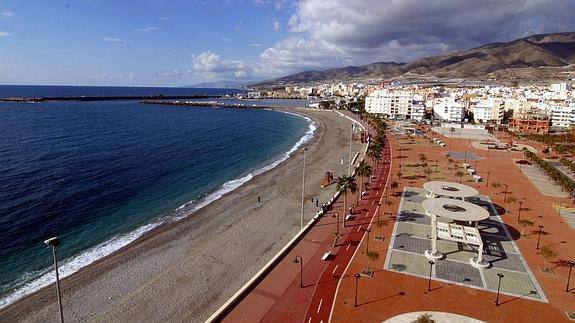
{"points": [[100, 174]]}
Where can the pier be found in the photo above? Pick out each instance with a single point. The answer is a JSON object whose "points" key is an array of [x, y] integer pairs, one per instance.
{"points": [[110, 98]]}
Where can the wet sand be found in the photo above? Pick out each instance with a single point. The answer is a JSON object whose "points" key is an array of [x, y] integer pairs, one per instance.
{"points": [[184, 271]]}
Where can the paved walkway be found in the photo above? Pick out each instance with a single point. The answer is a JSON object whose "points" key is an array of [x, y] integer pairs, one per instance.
{"points": [[541, 181], [279, 297]]}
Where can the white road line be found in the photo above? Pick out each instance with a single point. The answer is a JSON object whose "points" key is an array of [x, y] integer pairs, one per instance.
{"points": [[358, 228], [309, 321], [319, 307], [349, 245], [333, 272]]}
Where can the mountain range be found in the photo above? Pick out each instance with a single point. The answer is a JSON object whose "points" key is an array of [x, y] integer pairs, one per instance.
{"points": [[542, 56]]}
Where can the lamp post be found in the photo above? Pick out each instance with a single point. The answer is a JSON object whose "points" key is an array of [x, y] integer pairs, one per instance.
{"points": [[487, 182], [55, 242], [519, 211], [302, 190], [367, 245], [350, 141], [431, 263], [539, 236], [571, 263], [505, 193], [299, 259], [476, 165], [356, 283], [500, 275], [436, 163]]}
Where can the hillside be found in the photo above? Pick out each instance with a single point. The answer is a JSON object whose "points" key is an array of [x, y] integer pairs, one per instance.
{"points": [[533, 57]]}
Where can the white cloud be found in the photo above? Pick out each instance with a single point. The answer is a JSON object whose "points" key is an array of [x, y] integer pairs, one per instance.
{"points": [[6, 14], [276, 25], [211, 65], [174, 73], [255, 45], [225, 40], [4, 34], [112, 39], [326, 33], [278, 4], [149, 29]]}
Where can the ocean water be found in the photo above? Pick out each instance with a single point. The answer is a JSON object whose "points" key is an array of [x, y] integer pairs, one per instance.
{"points": [[100, 174]]}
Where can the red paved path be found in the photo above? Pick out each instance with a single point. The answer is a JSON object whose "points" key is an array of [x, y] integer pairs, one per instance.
{"points": [[278, 297], [322, 301]]}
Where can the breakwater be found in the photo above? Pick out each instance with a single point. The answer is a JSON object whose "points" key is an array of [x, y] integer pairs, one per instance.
{"points": [[109, 98], [212, 104]]}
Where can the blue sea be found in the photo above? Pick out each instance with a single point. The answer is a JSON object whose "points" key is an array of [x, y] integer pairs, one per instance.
{"points": [[101, 174]]}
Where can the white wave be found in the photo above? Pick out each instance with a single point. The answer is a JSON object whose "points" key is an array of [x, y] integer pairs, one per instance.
{"points": [[73, 264]]}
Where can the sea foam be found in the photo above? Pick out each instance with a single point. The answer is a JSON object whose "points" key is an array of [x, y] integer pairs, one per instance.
{"points": [[75, 263]]}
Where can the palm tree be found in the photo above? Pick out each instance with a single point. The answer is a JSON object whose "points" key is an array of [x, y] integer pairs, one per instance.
{"points": [[393, 186], [422, 158], [336, 236], [525, 223], [373, 153], [428, 172], [459, 174], [362, 170], [547, 253], [344, 185], [371, 257], [380, 224]]}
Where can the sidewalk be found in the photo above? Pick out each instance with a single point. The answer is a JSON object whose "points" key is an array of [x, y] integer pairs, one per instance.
{"points": [[279, 297]]}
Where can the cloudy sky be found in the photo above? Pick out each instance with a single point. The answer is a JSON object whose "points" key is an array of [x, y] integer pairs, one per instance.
{"points": [[182, 42]]}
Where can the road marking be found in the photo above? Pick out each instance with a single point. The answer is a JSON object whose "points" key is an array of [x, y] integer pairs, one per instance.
{"points": [[319, 307], [358, 228], [349, 245], [333, 272], [309, 321]]}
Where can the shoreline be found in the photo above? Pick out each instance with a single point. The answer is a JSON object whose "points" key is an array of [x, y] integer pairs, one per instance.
{"points": [[159, 239], [72, 265]]}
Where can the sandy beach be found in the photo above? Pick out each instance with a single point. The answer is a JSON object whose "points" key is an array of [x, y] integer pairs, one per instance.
{"points": [[184, 271]]}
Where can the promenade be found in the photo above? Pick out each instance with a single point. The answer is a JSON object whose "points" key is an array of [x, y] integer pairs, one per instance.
{"points": [[287, 295], [400, 285]]}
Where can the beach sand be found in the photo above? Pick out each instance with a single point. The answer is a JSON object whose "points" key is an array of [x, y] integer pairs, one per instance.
{"points": [[184, 271]]}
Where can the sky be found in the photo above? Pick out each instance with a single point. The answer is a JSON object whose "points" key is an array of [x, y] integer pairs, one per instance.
{"points": [[179, 43]]}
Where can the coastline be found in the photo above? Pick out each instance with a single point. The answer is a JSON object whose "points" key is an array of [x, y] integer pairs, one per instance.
{"points": [[162, 252], [73, 264]]}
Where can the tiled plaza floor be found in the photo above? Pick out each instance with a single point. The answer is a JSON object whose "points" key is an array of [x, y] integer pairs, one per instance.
{"points": [[411, 237]]}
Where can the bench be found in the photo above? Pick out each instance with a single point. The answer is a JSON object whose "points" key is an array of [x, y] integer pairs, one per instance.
{"points": [[348, 217], [326, 256], [477, 178]]}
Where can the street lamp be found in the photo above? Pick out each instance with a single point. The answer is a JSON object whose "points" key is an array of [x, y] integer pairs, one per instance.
{"points": [[505, 193], [367, 245], [55, 242], [500, 275], [539, 236], [350, 141], [356, 283], [300, 261], [487, 182], [519, 211], [436, 163], [302, 190], [571, 263], [431, 263]]}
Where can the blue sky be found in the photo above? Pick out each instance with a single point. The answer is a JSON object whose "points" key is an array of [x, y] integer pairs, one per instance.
{"points": [[176, 42]]}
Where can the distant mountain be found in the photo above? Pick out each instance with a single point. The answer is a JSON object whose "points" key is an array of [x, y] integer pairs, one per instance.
{"points": [[220, 85], [533, 57]]}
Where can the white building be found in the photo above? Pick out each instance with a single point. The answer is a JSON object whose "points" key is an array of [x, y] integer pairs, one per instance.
{"points": [[562, 114], [488, 110], [448, 109], [395, 104]]}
